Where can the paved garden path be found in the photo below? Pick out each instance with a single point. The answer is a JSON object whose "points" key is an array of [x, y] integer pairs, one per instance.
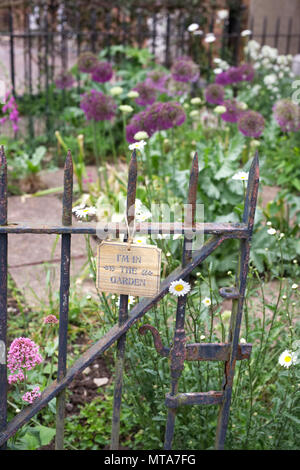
{"points": [[31, 256]]}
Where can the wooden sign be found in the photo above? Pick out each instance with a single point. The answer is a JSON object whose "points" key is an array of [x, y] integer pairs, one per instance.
{"points": [[130, 272]]}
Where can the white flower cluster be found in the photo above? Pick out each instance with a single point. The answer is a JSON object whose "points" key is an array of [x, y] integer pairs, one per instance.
{"points": [[266, 60], [221, 65]]}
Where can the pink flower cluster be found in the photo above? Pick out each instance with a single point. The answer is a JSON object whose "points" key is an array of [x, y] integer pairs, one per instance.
{"points": [[23, 354], [29, 397], [11, 108], [50, 319], [19, 377]]}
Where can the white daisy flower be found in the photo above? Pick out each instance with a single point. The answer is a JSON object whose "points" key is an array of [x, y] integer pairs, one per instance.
{"points": [[271, 231], [76, 208], [179, 288], [243, 341], [295, 286], [222, 14], [138, 145], [287, 358], [246, 32], [206, 302], [193, 27], [218, 70], [210, 37], [83, 213], [140, 240], [241, 176], [202, 337], [141, 212]]}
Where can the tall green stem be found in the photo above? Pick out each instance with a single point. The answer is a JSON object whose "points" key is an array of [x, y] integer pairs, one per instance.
{"points": [[96, 132]]}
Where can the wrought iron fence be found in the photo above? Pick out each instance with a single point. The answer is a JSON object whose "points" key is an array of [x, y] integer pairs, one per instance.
{"points": [[34, 53], [179, 351]]}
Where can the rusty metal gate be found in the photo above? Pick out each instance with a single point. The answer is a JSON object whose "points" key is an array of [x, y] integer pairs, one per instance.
{"points": [[179, 352]]}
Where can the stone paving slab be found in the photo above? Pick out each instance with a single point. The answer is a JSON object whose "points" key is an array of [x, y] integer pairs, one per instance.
{"points": [[28, 252]]}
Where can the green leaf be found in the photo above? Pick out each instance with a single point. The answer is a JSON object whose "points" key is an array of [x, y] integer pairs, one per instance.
{"points": [[225, 171], [235, 147], [293, 418], [46, 434]]}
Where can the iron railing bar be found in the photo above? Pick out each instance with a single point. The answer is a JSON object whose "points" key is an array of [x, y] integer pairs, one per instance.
{"points": [[178, 350], [64, 299], [70, 34], [237, 306], [3, 293], [102, 228], [123, 311], [137, 312]]}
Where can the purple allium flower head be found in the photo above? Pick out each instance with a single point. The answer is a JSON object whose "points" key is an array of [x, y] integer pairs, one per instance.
{"points": [[222, 79], [102, 72], [23, 354], [234, 75], [137, 124], [214, 94], [98, 106], [50, 319], [233, 111], [157, 117], [29, 397], [184, 69], [64, 80], [251, 123], [87, 61], [171, 114], [247, 71], [177, 88], [287, 115], [147, 94], [152, 115], [157, 79]]}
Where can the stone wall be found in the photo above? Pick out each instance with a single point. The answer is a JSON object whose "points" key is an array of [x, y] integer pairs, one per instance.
{"points": [[288, 11]]}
